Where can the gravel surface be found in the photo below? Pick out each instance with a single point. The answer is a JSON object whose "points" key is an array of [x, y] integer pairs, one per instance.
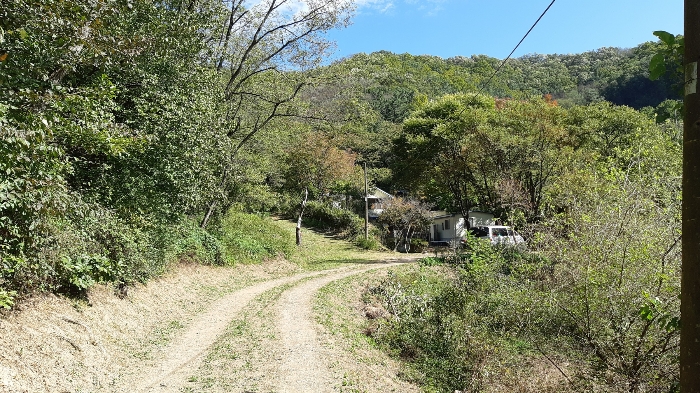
{"points": [[305, 363]]}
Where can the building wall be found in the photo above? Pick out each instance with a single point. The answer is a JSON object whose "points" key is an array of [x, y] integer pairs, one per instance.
{"points": [[456, 225], [479, 219], [447, 228]]}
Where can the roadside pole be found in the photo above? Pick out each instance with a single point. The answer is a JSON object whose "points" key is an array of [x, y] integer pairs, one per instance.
{"points": [[690, 280], [366, 206]]}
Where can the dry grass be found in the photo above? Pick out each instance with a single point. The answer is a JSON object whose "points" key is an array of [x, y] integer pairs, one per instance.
{"points": [[534, 374], [343, 317], [55, 344]]}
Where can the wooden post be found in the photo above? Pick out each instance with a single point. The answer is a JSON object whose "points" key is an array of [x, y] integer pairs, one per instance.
{"points": [[366, 206]]}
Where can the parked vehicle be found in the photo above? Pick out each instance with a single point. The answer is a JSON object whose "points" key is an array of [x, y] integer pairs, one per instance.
{"points": [[498, 234]]}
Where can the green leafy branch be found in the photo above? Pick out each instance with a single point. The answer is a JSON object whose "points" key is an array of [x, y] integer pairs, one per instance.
{"points": [[670, 54]]}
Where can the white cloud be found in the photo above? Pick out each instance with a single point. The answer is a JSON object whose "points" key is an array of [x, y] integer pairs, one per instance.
{"points": [[428, 7], [375, 5], [387, 7], [290, 8]]}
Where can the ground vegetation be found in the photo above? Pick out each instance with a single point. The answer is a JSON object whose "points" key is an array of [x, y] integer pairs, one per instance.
{"points": [[138, 134]]}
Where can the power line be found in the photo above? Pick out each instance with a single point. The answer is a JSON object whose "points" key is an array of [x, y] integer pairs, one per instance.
{"points": [[516, 47], [485, 85]]}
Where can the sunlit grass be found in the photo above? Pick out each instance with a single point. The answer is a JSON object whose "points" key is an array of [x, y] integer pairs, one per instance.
{"points": [[322, 251]]}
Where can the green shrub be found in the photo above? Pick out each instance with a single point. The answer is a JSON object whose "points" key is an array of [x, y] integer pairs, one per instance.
{"points": [[371, 243], [418, 245], [432, 329], [345, 223], [198, 245], [431, 261], [138, 247], [91, 244], [78, 274], [7, 298], [323, 216], [249, 238], [460, 317]]}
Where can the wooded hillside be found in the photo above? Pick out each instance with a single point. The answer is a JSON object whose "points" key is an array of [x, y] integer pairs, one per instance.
{"points": [[137, 134]]}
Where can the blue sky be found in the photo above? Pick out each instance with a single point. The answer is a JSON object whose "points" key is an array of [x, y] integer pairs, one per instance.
{"points": [[449, 28]]}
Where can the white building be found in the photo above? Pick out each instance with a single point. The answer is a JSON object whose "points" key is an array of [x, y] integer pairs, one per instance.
{"points": [[449, 227], [376, 202]]}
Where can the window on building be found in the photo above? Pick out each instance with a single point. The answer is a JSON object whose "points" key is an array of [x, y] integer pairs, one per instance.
{"points": [[447, 224]]}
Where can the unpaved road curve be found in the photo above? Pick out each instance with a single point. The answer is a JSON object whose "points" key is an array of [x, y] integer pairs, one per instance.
{"points": [[185, 353], [302, 367]]}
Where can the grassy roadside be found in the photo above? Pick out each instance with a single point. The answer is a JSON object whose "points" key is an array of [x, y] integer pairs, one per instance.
{"points": [[102, 340], [340, 310], [323, 251]]}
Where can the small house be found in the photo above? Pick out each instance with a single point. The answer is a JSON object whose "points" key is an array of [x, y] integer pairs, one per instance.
{"points": [[376, 200], [449, 227]]}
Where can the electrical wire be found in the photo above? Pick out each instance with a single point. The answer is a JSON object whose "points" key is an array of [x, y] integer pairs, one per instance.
{"points": [[517, 46], [485, 85]]}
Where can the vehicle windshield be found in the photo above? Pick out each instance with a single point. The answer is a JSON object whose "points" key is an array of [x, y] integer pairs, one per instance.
{"points": [[478, 232], [500, 232]]}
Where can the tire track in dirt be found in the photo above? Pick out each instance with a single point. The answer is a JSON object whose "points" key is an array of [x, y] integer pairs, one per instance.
{"points": [[304, 366], [185, 353]]}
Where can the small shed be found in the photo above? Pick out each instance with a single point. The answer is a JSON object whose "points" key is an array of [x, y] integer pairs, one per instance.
{"points": [[376, 200], [450, 227]]}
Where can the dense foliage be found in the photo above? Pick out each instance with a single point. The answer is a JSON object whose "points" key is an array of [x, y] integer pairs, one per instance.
{"points": [[138, 133], [621, 76], [122, 122], [596, 296], [98, 155]]}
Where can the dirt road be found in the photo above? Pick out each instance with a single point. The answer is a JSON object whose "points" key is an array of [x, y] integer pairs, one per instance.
{"points": [[197, 330], [300, 362]]}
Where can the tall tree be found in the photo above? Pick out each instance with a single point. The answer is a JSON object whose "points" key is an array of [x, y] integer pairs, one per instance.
{"points": [[476, 152], [433, 149], [405, 218], [263, 51], [314, 166]]}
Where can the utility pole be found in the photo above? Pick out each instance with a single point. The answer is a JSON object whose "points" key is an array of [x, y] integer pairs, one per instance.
{"points": [[690, 276], [366, 206]]}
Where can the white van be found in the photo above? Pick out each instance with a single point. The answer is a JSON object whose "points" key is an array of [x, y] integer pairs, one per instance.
{"points": [[498, 234]]}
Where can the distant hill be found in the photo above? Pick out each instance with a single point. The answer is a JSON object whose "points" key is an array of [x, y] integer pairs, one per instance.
{"points": [[392, 81]]}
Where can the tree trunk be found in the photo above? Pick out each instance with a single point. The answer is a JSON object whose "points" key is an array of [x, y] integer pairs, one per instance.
{"points": [[301, 214], [207, 216], [397, 238], [407, 240]]}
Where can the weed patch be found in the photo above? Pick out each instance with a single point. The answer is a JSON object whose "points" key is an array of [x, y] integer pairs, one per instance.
{"points": [[249, 238]]}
